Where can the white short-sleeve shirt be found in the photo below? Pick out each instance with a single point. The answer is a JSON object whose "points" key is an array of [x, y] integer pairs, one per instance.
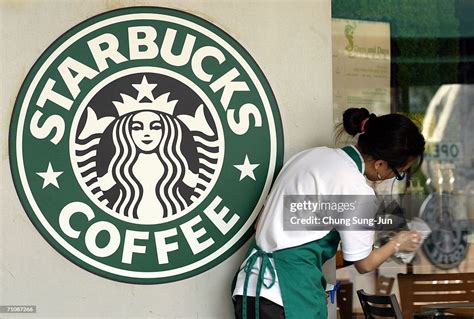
{"points": [[315, 171]]}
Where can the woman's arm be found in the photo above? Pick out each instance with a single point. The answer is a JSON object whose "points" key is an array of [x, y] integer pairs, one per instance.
{"points": [[403, 241]]}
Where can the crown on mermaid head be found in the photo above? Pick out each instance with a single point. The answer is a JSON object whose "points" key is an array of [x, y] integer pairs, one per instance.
{"points": [[130, 104]]}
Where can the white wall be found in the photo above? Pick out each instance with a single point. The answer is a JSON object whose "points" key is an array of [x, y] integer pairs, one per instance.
{"points": [[290, 40]]}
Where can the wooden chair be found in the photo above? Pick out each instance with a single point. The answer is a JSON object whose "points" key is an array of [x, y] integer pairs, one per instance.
{"points": [[344, 299], [384, 285], [418, 290], [379, 306]]}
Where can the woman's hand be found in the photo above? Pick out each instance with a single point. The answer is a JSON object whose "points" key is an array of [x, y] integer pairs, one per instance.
{"points": [[403, 241], [407, 240]]}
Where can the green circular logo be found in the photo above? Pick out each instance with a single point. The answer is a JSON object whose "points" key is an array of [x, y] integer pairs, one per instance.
{"points": [[143, 143], [446, 246]]}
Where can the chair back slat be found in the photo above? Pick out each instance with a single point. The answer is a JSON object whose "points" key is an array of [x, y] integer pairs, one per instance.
{"points": [[431, 298], [381, 312], [378, 299], [442, 287]]}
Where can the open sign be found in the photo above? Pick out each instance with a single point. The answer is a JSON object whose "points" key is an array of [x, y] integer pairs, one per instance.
{"points": [[444, 151]]}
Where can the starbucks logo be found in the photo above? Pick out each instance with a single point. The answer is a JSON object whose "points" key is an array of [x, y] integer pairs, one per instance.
{"points": [[447, 245], [146, 159], [143, 143]]}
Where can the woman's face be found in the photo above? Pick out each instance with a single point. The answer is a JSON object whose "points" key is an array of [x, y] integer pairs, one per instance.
{"points": [[146, 130], [386, 172]]}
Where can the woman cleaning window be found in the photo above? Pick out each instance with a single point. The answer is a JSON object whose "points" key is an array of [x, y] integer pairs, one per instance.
{"points": [[282, 276]]}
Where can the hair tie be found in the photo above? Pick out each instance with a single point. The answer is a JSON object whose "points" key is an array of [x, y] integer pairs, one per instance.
{"points": [[362, 124]]}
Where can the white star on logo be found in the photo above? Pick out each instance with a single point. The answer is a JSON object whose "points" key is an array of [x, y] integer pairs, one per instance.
{"points": [[246, 169], [50, 176], [144, 89]]}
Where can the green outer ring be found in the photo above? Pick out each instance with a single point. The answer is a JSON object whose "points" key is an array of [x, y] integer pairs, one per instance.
{"points": [[13, 130]]}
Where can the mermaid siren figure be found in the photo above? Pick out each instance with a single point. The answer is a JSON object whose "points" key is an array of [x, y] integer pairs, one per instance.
{"points": [[147, 171]]}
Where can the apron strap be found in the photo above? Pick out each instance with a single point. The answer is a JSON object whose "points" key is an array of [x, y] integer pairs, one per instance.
{"points": [[354, 154], [264, 265]]}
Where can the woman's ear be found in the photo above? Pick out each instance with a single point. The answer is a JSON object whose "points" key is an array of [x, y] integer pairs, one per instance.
{"points": [[380, 164]]}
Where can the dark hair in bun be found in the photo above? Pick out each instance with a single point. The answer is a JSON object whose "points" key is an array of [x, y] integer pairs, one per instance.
{"points": [[392, 137], [352, 120]]}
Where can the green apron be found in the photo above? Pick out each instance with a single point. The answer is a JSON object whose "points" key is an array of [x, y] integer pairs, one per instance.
{"points": [[299, 270], [300, 276]]}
